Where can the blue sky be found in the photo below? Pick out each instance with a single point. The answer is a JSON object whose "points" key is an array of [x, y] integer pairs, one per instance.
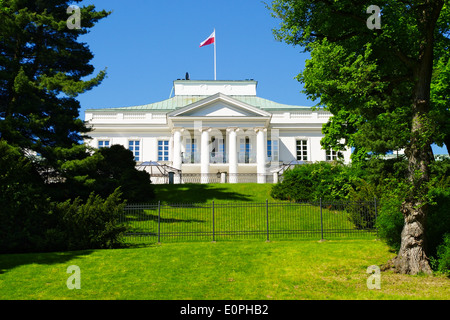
{"points": [[146, 45]]}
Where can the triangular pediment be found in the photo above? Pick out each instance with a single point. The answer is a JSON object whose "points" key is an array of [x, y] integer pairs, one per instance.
{"points": [[219, 105]]}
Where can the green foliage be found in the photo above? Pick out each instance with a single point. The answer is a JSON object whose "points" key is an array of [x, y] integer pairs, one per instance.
{"points": [[393, 193], [363, 217], [22, 206], [101, 172], [118, 168], [91, 225], [43, 68], [33, 222], [390, 219], [438, 219], [377, 178], [366, 78], [440, 97], [442, 261], [387, 88], [312, 182]]}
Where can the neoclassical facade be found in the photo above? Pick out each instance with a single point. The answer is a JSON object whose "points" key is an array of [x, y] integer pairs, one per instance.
{"points": [[211, 127]]}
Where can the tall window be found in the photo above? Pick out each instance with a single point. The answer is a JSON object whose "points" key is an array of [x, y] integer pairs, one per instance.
{"points": [[244, 150], [217, 150], [191, 150], [163, 150], [302, 150], [331, 155], [272, 150], [134, 146], [103, 144]]}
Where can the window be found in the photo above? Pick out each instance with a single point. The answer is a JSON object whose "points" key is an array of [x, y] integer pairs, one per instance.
{"points": [[218, 150], [272, 150], [163, 150], [331, 155], [302, 150], [191, 150], [134, 146], [103, 144], [244, 150]]}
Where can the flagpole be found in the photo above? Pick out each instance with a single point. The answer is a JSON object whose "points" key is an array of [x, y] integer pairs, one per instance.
{"points": [[215, 56]]}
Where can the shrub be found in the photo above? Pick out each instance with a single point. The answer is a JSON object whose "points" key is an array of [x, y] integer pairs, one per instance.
{"points": [[92, 225], [438, 219], [363, 217], [442, 261], [315, 181], [102, 172], [390, 219], [22, 205]]}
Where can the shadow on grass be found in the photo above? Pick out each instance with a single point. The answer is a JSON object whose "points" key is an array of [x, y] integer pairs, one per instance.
{"points": [[13, 260], [141, 216], [197, 193]]}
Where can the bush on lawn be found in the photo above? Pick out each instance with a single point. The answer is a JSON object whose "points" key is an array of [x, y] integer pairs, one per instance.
{"points": [[441, 262], [32, 222], [91, 225], [22, 205], [102, 172], [315, 181]]}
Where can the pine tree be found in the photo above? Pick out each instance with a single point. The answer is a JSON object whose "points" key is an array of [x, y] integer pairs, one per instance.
{"points": [[43, 68]]}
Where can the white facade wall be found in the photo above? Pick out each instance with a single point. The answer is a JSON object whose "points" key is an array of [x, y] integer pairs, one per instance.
{"points": [[216, 116]]}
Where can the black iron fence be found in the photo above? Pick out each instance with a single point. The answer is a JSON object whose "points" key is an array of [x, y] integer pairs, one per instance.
{"points": [[159, 222]]}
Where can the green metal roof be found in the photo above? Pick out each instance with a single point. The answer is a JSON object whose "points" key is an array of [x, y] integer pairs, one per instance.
{"points": [[178, 102]]}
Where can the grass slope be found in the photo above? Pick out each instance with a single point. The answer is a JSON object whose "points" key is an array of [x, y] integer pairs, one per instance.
{"points": [[227, 270], [220, 193], [249, 270]]}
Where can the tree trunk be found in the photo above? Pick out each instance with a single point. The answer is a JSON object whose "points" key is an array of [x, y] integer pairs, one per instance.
{"points": [[412, 257]]}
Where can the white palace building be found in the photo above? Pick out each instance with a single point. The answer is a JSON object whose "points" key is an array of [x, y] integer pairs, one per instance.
{"points": [[215, 129]]}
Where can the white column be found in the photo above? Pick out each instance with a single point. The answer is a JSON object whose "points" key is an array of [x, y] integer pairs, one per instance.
{"points": [[232, 155], [275, 177], [177, 161], [261, 155], [177, 148], [204, 156]]}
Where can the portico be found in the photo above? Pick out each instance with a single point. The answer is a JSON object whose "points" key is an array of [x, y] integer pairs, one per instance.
{"points": [[230, 150]]}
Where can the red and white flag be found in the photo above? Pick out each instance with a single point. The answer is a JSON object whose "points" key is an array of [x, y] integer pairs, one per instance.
{"points": [[210, 40]]}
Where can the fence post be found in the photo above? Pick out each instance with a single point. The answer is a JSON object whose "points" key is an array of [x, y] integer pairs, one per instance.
{"points": [[267, 219], [214, 239], [159, 221], [321, 220]]}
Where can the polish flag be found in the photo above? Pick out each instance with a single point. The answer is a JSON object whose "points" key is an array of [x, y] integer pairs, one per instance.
{"points": [[211, 39]]}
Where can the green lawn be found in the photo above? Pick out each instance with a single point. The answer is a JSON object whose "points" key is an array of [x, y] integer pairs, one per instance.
{"points": [[220, 193], [240, 211], [223, 270]]}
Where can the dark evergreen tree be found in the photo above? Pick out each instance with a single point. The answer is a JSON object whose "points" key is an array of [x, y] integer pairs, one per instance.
{"points": [[43, 67]]}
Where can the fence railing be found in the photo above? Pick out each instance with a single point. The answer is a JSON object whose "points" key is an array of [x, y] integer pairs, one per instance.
{"points": [[159, 222]]}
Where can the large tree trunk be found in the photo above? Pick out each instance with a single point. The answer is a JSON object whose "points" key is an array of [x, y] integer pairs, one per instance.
{"points": [[412, 257]]}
